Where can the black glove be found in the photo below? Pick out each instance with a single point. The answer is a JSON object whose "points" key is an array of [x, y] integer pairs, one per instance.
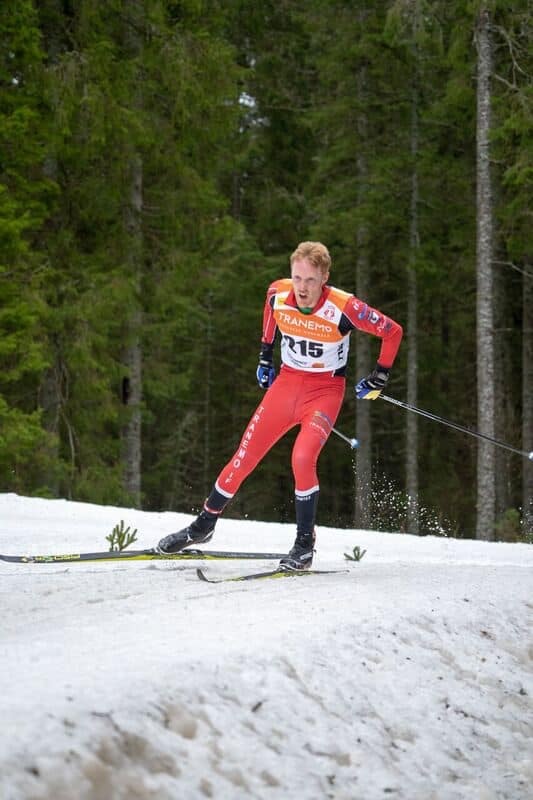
{"points": [[265, 373], [370, 388]]}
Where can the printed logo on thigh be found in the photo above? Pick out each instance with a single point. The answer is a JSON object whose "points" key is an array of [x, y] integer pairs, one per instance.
{"points": [[322, 423]]}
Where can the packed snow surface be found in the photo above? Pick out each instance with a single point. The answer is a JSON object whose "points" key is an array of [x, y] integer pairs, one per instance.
{"points": [[407, 676]]}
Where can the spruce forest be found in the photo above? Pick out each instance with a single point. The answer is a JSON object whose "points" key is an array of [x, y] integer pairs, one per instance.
{"points": [[160, 161]]}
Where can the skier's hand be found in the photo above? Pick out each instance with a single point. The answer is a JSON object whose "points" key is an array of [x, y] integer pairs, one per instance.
{"points": [[370, 388], [265, 374], [265, 371]]}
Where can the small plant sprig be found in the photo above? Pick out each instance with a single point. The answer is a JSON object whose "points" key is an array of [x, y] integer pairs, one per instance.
{"points": [[121, 537], [357, 554]]}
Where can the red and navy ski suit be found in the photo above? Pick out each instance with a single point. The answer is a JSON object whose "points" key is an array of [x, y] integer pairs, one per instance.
{"points": [[309, 389]]}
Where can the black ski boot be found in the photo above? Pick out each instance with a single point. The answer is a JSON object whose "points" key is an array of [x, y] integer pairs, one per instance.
{"points": [[198, 532], [300, 556]]}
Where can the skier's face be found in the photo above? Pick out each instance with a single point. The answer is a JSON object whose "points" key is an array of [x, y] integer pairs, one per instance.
{"points": [[307, 282]]}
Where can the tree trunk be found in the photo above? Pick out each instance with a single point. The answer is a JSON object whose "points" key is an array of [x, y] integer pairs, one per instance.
{"points": [[52, 400], [505, 402], [208, 363], [132, 394], [411, 460], [527, 401], [363, 433], [484, 267]]}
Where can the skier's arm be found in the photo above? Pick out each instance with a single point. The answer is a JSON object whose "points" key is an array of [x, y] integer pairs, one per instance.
{"points": [[370, 320], [266, 373]]}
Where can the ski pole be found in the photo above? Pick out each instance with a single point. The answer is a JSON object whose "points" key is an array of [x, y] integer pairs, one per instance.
{"points": [[477, 434], [352, 442]]}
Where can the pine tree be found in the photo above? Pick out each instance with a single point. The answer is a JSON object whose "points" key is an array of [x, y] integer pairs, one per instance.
{"points": [[413, 27], [144, 112], [25, 195], [358, 201]]}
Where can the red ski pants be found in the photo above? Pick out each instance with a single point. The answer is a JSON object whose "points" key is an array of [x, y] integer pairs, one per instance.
{"points": [[311, 400]]}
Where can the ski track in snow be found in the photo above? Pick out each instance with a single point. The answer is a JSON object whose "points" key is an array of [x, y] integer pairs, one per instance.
{"points": [[409, 677]]}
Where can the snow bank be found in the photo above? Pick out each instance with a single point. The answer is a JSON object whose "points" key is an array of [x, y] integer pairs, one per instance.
{"points": [[409, 676]]}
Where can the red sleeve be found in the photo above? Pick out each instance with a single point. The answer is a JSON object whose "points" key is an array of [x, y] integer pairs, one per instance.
{"points": [[269, 322], [368, 319]]}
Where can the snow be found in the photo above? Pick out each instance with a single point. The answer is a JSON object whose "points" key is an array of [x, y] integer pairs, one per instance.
{"points": [[408, 676]]}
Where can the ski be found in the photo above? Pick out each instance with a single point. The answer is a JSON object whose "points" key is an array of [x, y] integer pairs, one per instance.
{"points": [[273, 573], [138, 555]]}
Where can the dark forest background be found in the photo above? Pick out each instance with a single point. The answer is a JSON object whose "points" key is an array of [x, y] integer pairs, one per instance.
{"points": [[159, 161]]}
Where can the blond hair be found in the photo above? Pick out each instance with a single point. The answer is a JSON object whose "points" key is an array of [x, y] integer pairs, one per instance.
{"points": [[316, 253]]}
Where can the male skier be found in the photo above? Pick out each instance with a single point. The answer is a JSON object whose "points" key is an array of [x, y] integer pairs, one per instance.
{"points": [[314, 321]]}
